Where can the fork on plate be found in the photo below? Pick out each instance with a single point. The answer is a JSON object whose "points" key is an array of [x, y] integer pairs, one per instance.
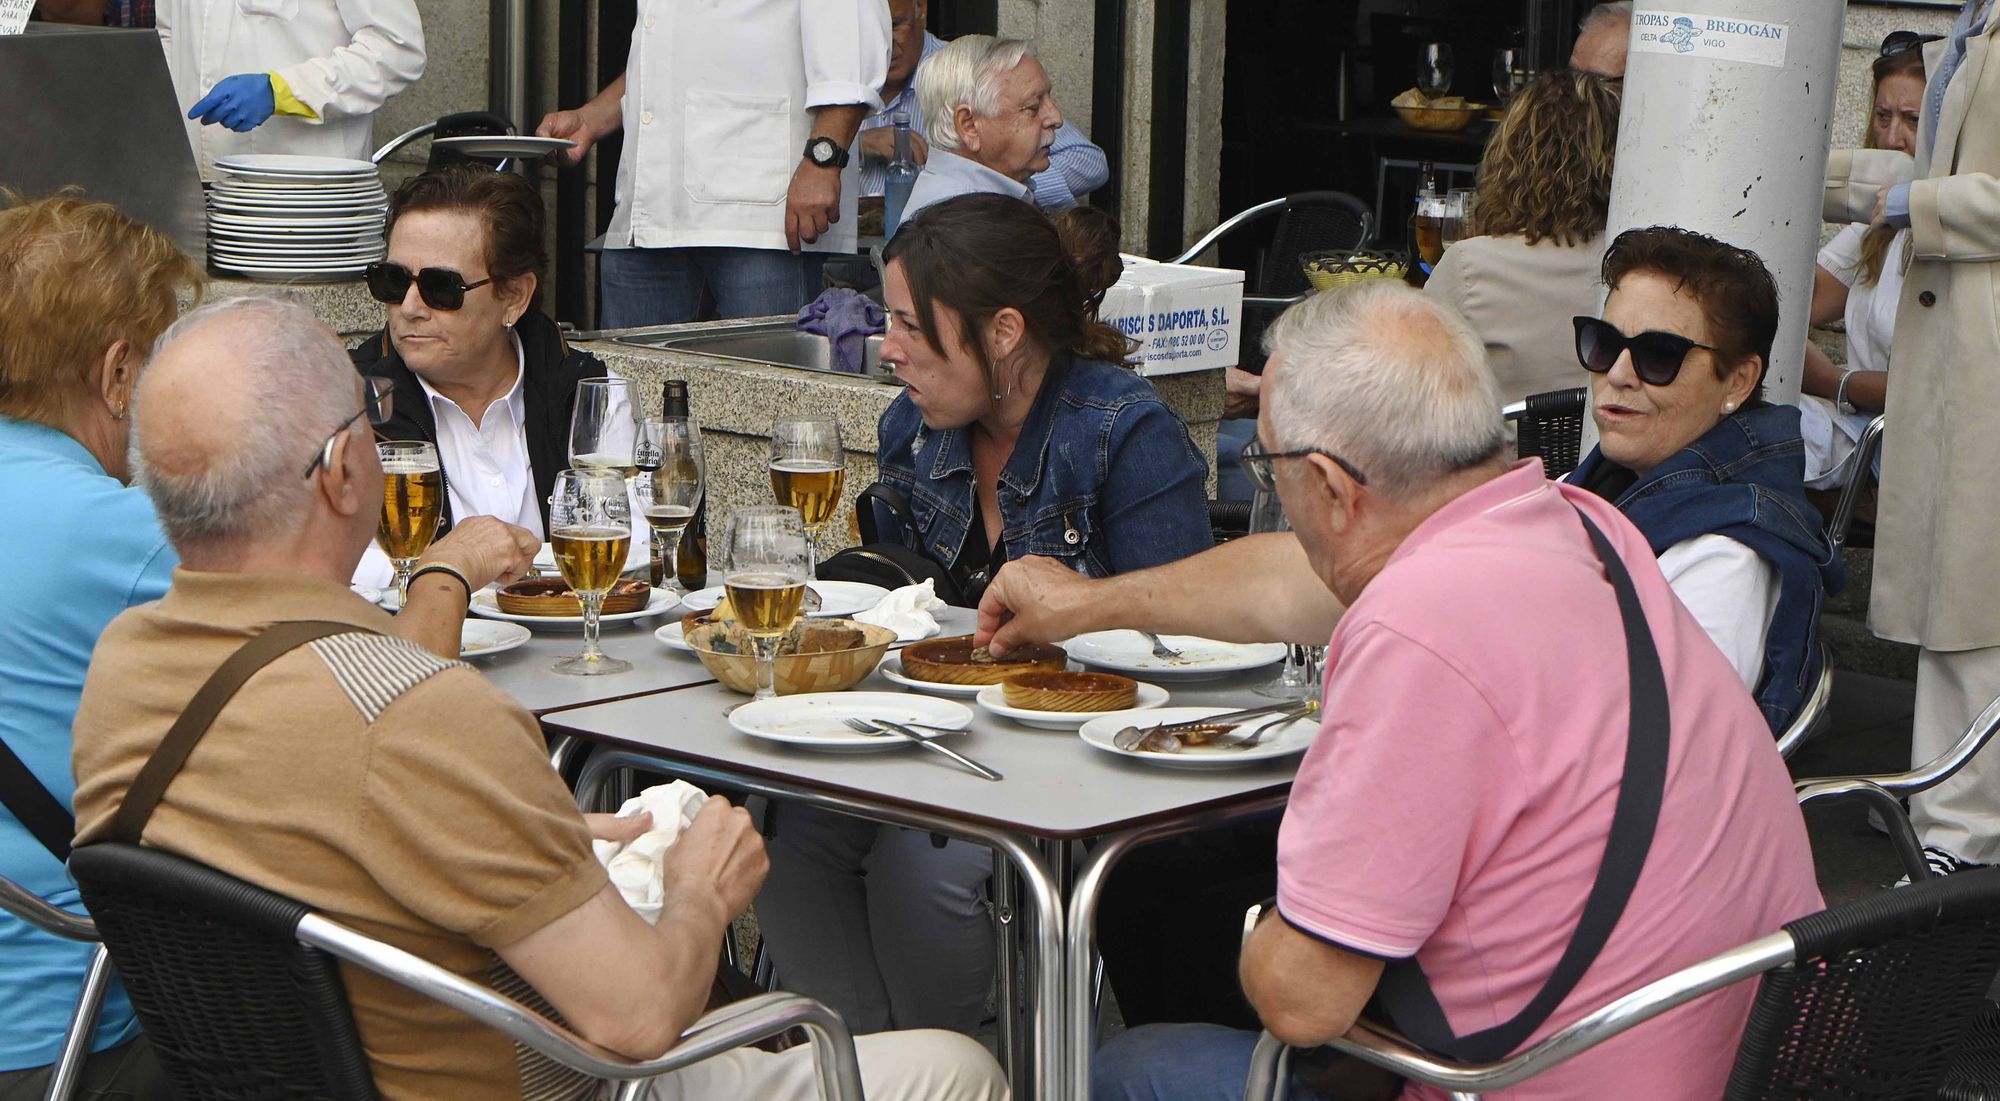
{"points": [[1160, 649]]}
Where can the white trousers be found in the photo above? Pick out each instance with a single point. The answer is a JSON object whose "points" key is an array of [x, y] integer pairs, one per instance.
{"points": [[1961, 815], [895, 1066]]}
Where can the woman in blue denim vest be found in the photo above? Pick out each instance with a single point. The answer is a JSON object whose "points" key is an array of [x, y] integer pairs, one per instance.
{"points": [[1019, 433], [1693, 455]]}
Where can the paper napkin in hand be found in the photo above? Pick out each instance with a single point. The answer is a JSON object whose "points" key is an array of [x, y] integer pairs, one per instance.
{"points": [[634, 866], [906, 611]]}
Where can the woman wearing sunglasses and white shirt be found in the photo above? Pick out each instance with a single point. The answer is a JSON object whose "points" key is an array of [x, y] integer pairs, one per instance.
{"points": [[1698, 461], [478, 369]]}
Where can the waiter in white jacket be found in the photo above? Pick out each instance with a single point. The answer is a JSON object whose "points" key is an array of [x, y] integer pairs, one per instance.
{"points": [[287, 76], [737, 176]]}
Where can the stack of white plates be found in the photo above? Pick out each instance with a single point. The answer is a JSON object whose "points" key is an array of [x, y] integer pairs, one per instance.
{"points": [[278, 217]]}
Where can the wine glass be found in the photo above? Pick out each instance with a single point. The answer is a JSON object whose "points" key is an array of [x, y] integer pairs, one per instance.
{"points": [[412, 501], [1434, 69], [766, 563], [668, 487], [590, 524], [808, 468], [1509, 73], [604, 426]]}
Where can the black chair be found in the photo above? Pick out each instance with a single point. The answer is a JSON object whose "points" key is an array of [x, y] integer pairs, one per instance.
{"points": [[1310, 221], [29, 907], [240, 991], [1975, 1071], [1550, 425], [1868, 1000]]}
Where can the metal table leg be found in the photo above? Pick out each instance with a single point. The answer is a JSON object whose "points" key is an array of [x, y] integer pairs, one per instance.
{"points": [[1045, 904]]}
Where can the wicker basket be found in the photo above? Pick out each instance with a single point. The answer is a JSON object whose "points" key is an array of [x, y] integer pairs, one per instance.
{"points": [[1327, 270], [1441, 118]]}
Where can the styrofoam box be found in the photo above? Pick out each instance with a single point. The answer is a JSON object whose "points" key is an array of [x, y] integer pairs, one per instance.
{"points": [[1185, 318]]}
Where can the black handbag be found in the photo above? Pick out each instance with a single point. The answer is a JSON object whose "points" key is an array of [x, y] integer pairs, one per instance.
{"points": [[890, 562]]}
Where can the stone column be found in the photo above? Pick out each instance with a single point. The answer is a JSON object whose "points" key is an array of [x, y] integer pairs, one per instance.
{"points": [[1201, 159], [1065, 34]]}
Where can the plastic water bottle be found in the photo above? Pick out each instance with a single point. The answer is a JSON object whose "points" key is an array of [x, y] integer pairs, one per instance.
{"points": [[900, 177]]}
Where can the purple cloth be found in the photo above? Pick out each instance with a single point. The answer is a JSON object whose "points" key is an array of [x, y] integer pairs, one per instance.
{"points": [[847, 319]]}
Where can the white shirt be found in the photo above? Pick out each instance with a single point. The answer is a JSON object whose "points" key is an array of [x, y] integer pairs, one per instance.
{"points": [[342, 58], [1732, 592], [1870, 317], [716, 102]]}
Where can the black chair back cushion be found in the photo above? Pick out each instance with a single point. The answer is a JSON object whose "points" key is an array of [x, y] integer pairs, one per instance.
{"points": [[1882, 995], [1312, 221], [236, 1007], [1552, 428]]}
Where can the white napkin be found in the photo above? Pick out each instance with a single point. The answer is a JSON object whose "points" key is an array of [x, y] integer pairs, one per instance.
{"points": [[635, 865], [906, 611]]}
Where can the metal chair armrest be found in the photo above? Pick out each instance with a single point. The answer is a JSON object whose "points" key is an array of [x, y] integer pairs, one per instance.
{"points": [[1812, 710], [401, 140], [730, 1027], [1275, 301], [1384, 1048], [67, 1073], [29, 907], [1895, 819], [1938, 769], [1862, 466], [1229, 225]]}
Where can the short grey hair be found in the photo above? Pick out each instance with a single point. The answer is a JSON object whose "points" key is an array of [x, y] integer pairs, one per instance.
{"points": [[965, 73], [1389, 380], [294, 386], [1613, 9]]}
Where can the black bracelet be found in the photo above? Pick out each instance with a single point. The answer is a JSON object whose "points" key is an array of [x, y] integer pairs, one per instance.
{"points": [[439, 567]]}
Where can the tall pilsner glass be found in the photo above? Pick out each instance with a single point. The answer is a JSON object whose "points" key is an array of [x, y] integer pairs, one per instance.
{"points": [[808, 469], [590, 524], [604, 426], [669, 486], [412, 501], [766, 565]]}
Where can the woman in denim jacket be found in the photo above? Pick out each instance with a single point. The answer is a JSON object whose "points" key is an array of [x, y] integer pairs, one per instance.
{"points": [[1018, 434], [1691, 453]]}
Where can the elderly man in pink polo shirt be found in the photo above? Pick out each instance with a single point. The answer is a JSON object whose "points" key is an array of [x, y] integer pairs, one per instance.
{"points": [[1484, 692]]}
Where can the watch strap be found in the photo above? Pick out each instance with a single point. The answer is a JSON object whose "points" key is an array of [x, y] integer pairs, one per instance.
{"points": [[838, 159]]}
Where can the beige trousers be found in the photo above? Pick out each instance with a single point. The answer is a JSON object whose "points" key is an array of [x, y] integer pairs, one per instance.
{"points": [[1961, 815], [920, 1065]]}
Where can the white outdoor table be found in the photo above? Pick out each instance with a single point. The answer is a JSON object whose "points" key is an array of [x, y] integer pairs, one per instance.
{"points": [[525, 673], [1057, 790]]}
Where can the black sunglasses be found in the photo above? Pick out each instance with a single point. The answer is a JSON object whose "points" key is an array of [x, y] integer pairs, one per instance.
{"points": [[1656, 356], [440, 288], [377, 402], [1898, 41], [1256, 463]]}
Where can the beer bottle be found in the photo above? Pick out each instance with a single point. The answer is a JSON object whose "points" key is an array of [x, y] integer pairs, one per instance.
{"points": [[691, 563]]}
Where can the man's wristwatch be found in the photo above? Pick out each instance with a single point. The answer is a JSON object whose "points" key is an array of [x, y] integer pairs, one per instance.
{"points": [[1840, 401], [826, 153]]}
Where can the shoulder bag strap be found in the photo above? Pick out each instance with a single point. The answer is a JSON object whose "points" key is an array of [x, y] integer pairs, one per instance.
{"points": [[32, 805], [1404, 991], [273, 643]]}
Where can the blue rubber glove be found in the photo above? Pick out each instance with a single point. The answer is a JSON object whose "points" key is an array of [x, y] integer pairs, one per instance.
{"points": [[241, 102]]}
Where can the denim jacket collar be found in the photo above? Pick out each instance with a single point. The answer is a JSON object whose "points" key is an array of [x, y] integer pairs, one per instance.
{"points": [[1023, 472]]}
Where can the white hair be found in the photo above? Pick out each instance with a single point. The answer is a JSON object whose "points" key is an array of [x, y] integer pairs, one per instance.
{"points": [[965, 73], [1389, 380], [1613, 9], [294, 385]]}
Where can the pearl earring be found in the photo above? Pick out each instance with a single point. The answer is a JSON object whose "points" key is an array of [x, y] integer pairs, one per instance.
{"points": [[1729, 407]]}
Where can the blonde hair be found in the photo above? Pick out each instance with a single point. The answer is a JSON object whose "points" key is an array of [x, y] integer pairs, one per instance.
{"points": [[1875, 243], [76, 277], [1547, 171]]}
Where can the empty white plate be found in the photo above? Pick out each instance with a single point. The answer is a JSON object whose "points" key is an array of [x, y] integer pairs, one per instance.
{"points": [[836, 598], [1201, 658], [503, 145], [480, 638], [814, 719]]}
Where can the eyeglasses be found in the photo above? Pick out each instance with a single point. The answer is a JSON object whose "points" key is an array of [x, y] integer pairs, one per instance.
{"points": [[1656, 356], [1898, 41], [378, 401], [1256, 463], [440, 288]]}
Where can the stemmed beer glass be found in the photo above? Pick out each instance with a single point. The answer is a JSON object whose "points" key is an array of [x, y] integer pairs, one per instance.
{"points": [[604, 426], [412, 502], [766, 566], [808, 469], [1434, 69], [669, 486], [590, 524]]}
